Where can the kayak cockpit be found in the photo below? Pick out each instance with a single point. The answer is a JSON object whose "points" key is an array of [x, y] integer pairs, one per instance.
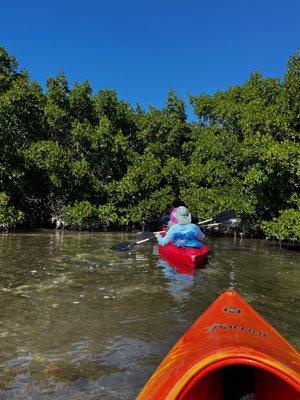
{"points": [[238, 382]]}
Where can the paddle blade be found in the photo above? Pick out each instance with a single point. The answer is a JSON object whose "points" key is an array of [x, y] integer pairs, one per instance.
{"points": [[225, 216], [123, 246], [232, 223]]}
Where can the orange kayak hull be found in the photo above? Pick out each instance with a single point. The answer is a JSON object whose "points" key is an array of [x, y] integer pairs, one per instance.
{"points": [[229, 349]]}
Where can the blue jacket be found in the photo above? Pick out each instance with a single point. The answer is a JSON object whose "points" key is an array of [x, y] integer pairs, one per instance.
{"points": [[188, 235]]}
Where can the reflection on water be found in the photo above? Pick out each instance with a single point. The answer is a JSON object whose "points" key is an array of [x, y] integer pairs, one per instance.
{"points": [[81, 322], [232, 276], [179, 284]]}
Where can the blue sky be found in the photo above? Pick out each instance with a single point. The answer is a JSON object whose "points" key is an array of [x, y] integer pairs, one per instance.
{"points": [[144, 48]]}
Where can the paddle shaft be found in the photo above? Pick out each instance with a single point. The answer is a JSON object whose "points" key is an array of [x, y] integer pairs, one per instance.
{"points": [[204, 222], [232, 222], [145, 240]]}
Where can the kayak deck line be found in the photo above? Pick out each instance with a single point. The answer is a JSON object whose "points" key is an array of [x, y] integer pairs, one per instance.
{"points": [[229, 339]]}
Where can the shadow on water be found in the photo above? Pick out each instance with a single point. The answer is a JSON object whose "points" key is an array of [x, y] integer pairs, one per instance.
{"points": [[81, 322]]}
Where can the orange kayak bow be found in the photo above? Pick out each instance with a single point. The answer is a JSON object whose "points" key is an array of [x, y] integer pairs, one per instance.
{"points": [[230, 352]]}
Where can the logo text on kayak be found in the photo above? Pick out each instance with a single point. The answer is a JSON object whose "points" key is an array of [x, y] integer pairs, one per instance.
{"points": [[233, 310], [233, 327]]}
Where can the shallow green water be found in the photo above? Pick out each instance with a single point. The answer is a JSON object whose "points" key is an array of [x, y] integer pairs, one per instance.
{"points": [[81, 322]]}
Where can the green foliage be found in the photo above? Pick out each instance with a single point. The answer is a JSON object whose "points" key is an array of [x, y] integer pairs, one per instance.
{"points": [[253, 108], [57, 108], [205, 202], [175, 107], [21, 115], [120, 114], [81, 103], [79, 168], [107, 214], [82, 215], [140, 180], [291, 98], [50, 159], [287, 226], [8, 67], [148, 209], [9, 216], [163, 132], [94, 162]]}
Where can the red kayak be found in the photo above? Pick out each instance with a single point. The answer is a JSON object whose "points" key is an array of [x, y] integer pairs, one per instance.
{"points": [[230, 352], [188, 257]]}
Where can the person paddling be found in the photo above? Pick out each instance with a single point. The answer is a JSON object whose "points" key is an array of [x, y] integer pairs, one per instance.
{"points": [[184, 233], [173, 218]]}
